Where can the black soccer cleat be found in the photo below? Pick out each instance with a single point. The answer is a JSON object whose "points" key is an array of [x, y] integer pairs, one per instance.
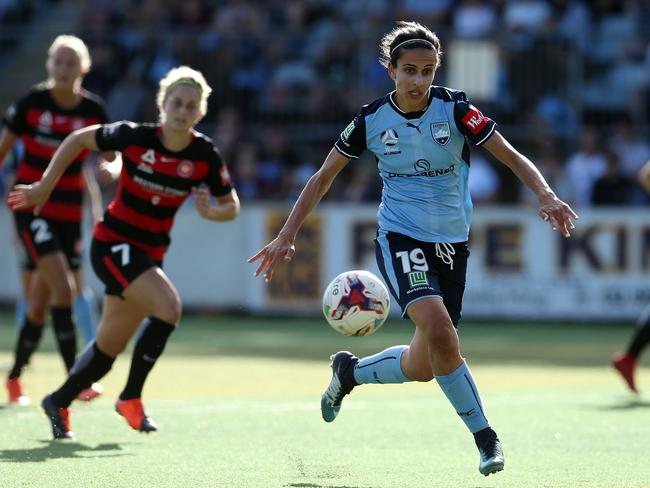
{"points": [[489, 448], [58, 417], [342, 383]]}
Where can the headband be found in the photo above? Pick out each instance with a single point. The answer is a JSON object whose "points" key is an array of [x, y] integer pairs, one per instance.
{"points": [[411, 41], [185, 81]]}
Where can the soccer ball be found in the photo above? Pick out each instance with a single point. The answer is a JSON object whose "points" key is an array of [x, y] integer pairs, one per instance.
{"points": [[356, 303]]}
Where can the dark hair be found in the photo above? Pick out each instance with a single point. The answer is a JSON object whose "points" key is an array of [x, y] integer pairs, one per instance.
{"points": [[407, 35]]}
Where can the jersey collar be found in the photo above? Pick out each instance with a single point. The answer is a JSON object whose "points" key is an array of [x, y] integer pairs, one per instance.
{"points": [[408, 115]]}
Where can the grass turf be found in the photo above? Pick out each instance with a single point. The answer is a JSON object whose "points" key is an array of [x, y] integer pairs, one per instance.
{"points": [[237, 402]]}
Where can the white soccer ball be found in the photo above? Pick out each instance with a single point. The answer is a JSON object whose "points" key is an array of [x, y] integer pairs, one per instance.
{"points": [[356, 303]]}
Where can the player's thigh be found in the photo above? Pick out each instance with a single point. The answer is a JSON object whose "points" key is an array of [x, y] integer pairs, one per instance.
{"points": [[155, 292], [42, 241], [406, 265], [53, 269], [119, 321], [431, 317]]}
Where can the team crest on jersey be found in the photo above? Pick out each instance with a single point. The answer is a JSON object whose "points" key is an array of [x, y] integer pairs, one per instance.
{"points": [[185, 168], [45, 119], [390, 139], [441, 132]]}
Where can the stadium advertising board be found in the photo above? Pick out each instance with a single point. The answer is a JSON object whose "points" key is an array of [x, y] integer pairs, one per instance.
{"points": [[518, 268]]}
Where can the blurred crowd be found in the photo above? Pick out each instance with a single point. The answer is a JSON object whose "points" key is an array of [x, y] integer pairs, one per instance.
{"points": [[572, 86]]}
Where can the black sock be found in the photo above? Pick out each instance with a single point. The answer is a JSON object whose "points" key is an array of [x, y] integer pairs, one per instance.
{"points": [[147, 350], [641, 336], [64, 332], [28, 339], [91, 365], [484, 436]]}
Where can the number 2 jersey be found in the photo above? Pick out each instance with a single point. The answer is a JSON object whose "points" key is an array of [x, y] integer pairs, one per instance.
{"points": [[154, 183], [42, 125], [423, 160]]}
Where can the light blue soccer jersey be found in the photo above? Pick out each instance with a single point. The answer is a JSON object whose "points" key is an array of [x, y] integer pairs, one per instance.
{"points": [[423, 160]]}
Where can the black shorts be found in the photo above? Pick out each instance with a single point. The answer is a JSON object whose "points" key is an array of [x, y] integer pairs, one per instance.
{"points": [[415, 269], [41, 236], [118, 263]]}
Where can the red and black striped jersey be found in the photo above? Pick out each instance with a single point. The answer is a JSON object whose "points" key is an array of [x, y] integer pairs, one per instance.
{"points": [[42, 125], [154, 183]]}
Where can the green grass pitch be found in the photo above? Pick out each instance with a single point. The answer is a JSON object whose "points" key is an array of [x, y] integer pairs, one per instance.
{"points": [[237, 403]]}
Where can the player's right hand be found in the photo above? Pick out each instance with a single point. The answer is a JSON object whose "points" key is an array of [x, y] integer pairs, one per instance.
{"points": [[280, 247], [24, 196]]}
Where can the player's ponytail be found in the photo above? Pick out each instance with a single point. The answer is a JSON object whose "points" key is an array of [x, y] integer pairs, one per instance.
{"points": [[407, 35]]}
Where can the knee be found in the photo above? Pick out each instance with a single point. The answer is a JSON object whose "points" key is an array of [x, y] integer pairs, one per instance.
{"points": [[441, 336], [37, 311], [63, 293], [172, 311]]}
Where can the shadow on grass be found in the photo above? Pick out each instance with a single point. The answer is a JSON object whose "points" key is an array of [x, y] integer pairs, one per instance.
{"points": [[314, 485], [58, 449], [630, 404]]}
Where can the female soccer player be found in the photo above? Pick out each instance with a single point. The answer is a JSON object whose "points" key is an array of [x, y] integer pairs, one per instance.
{"points": [[626, 362], [419, 134], [43, 118], [162, 165]]}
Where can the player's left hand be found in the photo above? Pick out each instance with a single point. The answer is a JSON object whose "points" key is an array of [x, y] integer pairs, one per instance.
{"points": [[202, 202], [558, 214], [278, 249]]}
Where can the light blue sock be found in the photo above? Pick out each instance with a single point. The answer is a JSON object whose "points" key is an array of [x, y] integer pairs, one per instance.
{"points": [[461, 391], [84, 311], [20, 312], [383, 367]]}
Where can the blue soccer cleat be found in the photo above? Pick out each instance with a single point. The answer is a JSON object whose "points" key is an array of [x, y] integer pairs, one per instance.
{"points": [[342, 383], [490, 450]]}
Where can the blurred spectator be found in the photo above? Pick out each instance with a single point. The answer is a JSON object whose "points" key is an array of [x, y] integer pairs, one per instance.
{"points": [[526, 15], [483, 180], [613, 188], [431, 12], [291, 74], [276, 156], [632, 150], [584, 168], [474, 19]]}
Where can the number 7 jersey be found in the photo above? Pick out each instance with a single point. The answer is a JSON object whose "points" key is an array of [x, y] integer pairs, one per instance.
{"points": [[154, 183], [423, 160]]}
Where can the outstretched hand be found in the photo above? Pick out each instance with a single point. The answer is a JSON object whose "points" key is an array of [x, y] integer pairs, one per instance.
{"points": [[24, 196], [558, 214], [280, 247]]}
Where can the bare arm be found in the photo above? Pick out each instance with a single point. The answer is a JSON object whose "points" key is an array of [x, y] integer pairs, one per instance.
{"points": [[552, 209], [96, 205], [283, 245], [7, 141], [38, 193], [644, 176], [227, 207]]}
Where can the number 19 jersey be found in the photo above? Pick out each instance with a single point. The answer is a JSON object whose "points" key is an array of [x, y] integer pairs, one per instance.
{"points": [[423, 160]]}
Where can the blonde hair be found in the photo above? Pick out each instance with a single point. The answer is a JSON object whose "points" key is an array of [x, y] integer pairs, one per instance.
{"points": [[77, 45], [183, 75]]}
